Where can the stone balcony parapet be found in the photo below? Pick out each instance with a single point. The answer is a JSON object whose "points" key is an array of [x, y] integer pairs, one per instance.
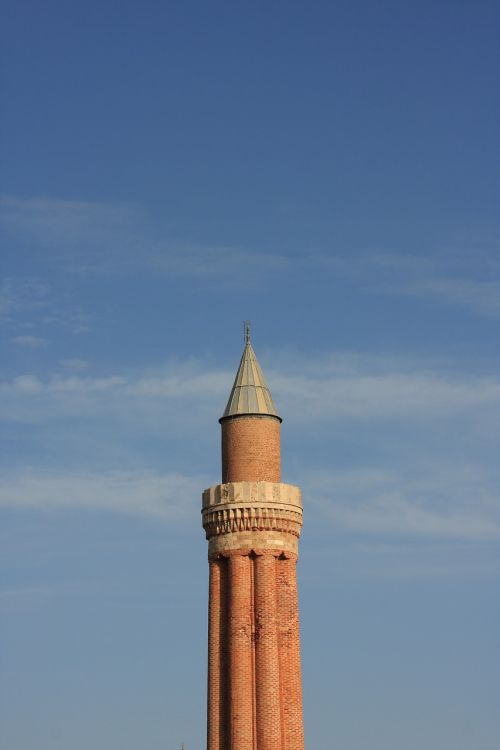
{"points": [[252, 515], [252, 494]]}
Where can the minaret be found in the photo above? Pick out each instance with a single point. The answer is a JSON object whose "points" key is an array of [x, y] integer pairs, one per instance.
{"points": [[252, 522]]}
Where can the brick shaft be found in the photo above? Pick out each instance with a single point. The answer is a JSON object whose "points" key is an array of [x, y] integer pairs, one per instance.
{"points": [[267, 667], [289, 655], [252, 522], [217, 677], [241, 671], [251, 449]]}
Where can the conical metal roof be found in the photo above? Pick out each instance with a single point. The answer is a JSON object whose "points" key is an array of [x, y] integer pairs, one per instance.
{"points": [[250, 393]]}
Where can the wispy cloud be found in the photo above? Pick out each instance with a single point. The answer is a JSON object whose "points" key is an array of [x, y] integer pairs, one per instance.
{"points": [[331, 388], [116, 239], [426, 557], [74, 364], [173, 259], [142, 493], [455, 502], [384, 396], [29, 304], [22, 294], [467, 280], [479, 296], [33, 342], [68, 223]]}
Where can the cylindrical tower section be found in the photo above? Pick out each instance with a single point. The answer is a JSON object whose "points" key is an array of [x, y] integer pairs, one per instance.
{"points": [[267, 666], [289, 653], [217, 668], [241, 682], [251, 449]]}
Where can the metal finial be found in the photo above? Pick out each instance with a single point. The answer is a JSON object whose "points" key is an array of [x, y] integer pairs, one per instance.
{"points": [[247, 331]]}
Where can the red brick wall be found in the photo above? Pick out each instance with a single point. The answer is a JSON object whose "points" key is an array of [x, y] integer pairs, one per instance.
{"points": [[267, 672], [217, 655], [241, 668], [251, 449], [254, 680], [289, 654]]}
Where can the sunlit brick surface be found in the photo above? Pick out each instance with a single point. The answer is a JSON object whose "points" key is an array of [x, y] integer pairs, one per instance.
{"points": [[289, 655], [267, 666], [241, 671], [217, 677], [251, 449]]}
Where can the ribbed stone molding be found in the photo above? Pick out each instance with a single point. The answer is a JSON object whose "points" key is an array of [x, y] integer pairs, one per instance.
{"points": [[252, 516]]}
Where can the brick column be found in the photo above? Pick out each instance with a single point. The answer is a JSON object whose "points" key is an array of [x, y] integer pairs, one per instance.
{"points": [[289, 654], [251, 449], [216, 666], [267, 667], [240, 653]]}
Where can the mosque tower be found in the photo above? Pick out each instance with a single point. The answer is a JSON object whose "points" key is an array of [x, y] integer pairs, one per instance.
{"points": [[252, 522]]}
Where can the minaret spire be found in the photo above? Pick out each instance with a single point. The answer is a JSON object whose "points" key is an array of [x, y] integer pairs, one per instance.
{"points": [[250, 393]]}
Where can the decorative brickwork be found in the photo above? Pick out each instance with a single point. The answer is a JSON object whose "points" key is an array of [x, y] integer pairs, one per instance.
{"points": [[252, 522]]}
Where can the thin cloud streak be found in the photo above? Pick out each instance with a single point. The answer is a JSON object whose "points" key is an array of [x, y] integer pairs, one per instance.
{"points": [[58, 222], [447, 278], [425, 557], [168, 497], [462, 502], [328, 390], [20, 294], [27, 302], [92, 238], [32, 342], [479, 296], [221, 263], [385, 396], [115, 239]]}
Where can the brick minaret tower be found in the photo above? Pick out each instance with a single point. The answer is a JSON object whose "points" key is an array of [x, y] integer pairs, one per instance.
{"points": [[252, 522]]}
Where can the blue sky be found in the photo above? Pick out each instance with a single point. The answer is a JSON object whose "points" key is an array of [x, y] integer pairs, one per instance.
{"points": [[330, 171]]}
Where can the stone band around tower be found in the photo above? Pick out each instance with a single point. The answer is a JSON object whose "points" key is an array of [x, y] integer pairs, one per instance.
{"points": [[248, 516]]}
